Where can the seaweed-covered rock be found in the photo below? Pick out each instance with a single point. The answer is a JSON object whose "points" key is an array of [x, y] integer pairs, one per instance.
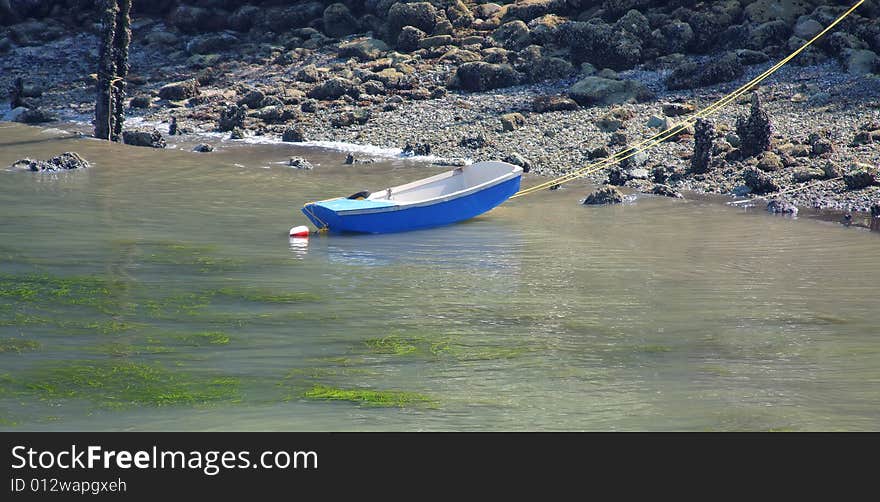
{"points": [[604, 91], [65, 161], [339, 21], [211, 43], [666, 191], [549, 103], [152, 139], [334, 88], [604, 195], [300, 163], [480, 76], [203, 148], [513, 35], [409, 38], [690, 75], [538, 67], [860, 176], [364, 49], [421, 15], [232, 117], [601, 44], [293, 135], [518, 160], [778, 206], [759, 182], [769, 162], [177, 91]]}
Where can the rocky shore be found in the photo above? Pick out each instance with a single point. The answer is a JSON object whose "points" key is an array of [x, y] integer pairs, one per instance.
{"points": [[547, 84]]}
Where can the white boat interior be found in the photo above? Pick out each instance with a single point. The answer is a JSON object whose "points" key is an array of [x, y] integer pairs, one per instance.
{"points": [[460, 179]]}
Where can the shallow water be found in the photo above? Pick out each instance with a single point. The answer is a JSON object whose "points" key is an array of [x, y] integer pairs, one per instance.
{"points": [[159, 290]]}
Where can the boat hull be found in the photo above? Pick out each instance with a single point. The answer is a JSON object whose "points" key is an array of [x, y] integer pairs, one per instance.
{"points": [[403, 218]]}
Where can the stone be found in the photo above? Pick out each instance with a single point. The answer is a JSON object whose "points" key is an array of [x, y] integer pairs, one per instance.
{"points": [[769, 162], [862, 62], [190, 19], [276, 114], [859, 177], [831, 170], [141, 102], [300, 163], [545, 103], [435, 41], [211, 43], [152, 139], [177, 91], [293, 135], [512, 121], [777, 206], [762, 11], [339, 21], [334, 88], [34, 116], [805, 175], [806, 28], [592, 91], [253, 99], [750, 57], [231, 117], [474, 142], [690, 75], [409, 38], [518, 160], [65, 161], [601, 44], [604, 195], [759, 182], [417, 149], [203, 148], [677, 109], [308, 73], [656, 122], [364, 49], [666, 191], [514, 35], [237, 133], [421, 15], [480, 76]]}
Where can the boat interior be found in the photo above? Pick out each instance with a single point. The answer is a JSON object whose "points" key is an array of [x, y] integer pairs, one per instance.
{"points": [[450, 182]]}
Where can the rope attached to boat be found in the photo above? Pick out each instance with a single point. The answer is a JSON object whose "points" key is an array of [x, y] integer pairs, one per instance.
{"points": [[676, 129]]}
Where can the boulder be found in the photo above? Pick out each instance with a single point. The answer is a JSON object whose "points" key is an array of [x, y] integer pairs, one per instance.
{"points": [[334, 88], [203, 148], [244, 18], [190, 19], [805, 175], [806, 28], [293, 135], [603, 91], [300, 163], [769, 162], [152, 139], [308, 73], [512, 121], [666, 191], [141, 102], [178, 91], [677, 109], [286, 19], [276, 114], [339, 21], [409, 38], [513, 36], [33, 116], [65, 161], [862, 62], [604, 195], [435, 41], [762, 11], [518, 160], [253, 99], [601, 44], [211, 43], [690, 75], [759, 182], [777, 206], [421, 15], [364, 49], [860, 176], [459, 14], [545, 103], [232, 117], [480, 76]]}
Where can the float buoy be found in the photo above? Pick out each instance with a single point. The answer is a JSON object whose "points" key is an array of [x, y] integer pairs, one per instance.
{"points": [[300, 231]]}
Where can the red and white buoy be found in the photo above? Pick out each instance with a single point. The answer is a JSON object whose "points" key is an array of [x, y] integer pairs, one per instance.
{"points": [[300, 231]]}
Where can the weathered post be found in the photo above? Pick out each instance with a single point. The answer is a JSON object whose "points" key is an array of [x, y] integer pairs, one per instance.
{"points": [[106, 70], [121, 41]]}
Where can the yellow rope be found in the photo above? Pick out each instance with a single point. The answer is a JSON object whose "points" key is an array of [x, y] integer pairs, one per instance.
{"points": [[672, 131]]}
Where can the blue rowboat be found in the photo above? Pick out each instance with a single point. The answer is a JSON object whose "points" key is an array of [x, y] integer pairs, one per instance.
{"points": [[446, 198]]}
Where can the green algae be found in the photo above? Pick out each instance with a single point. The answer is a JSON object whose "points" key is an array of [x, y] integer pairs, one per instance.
{"points": [[367, 397], [266, 296], [395, 345], [110, 383], [448, 347], [17, 345], [81, 291], [197, 339]]}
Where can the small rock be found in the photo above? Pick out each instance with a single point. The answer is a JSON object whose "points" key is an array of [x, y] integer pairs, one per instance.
{"points": [[151, 139], [300, 163], [418, 149], [604, 195], [777, 206], [309, 74], [875, 210], [542, 104], [473, 142], [666, 191], [677, 109], [65, 161], [253, 99], [512, 121], [518, 160], [232, 116], [804, 175], [141, 102], [860, 177], [435, 41], [862, 62], [334, 88], [481, 76], [237, 133], [769, 162], [35, 116], [364, 49], [690, 75], [603, 91], [831, 170], [656, 122], [409, 38], [203, 148]]}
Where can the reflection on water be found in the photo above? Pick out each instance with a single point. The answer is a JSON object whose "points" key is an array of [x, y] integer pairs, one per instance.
{"points": [[659, 314]]}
